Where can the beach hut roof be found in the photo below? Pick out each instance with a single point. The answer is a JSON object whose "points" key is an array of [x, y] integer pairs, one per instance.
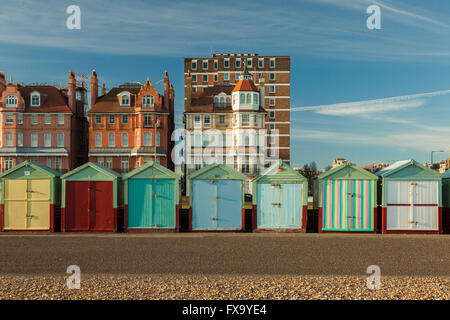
{"points": [[95, 166], [347, 171], [159, 169], [217, 171], [37, 166], [399, 170], [279, 170]]}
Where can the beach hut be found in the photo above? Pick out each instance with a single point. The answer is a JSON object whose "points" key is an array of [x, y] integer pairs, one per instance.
{"points": [[217, 199], [346, 198], [151, 199], [280, 199], [90, 199], [410, 198], [446, 202], [30, 198]]}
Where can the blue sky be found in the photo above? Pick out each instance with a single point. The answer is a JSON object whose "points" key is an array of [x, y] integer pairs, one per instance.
{"points": [[338, 66]]}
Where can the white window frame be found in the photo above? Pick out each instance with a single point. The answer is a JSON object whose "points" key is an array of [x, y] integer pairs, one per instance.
{"points": [[47, 119], [34, 140], [124, 165], [98, 139], [124, 139], [204, 78], [49, 162], [193, 64], [271, 114], [19, 118], [60, 139], [216, 78], [158, 139], [124, 116], [271, 102], [109, 162], [34, 95], [148, 101], [226, 76], [98, 119], [47, 140], [207, 116], [8, 139], [222, 119], [272, 60], [271, 89], [260, 65], [113, 117], [111, 139], [236, 63], [137, 141], [272, 76], [20, 139], [216, 64], [227, 60], [249, 62], [245, 118], [147, 139], [61, 119], [194, 78], [11, 101], [34, 119], [127, 102], [9, 118], [203, 64]]}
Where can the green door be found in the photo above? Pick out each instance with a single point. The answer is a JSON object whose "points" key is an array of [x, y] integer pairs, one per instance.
{"points": [[163, 204], [140, 199]]}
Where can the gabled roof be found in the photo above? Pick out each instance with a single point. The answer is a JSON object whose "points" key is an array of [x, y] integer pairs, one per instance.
{"points": [[37, 166], [245, 85], [280, 169], [398, 166], [154, 165], [227, 172], [94, 166], [347, 171], [52, 100]]}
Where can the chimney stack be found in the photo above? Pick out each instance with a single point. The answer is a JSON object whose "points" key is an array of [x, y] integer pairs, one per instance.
{"points": [[261, 92], [166, 91], [103, 89], [2, 82], [94, 88], [71, 94]]}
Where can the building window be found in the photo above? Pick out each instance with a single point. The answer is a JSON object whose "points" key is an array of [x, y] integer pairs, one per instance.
{"points": [[216, 78], [246, 140], [125, 139], [249, 62], [256, 99], [20, 139], [197, 119], [216, 64], [49, 162], [272, 140], [226, 76], [112, 119], [205, 65], [137, 139], [147, 139], [58, 163], [272, 76], [271, 114], [272, 62], [194, 64], [8, 163], [222, 119], [101, 161], [9, 119], [8, 139], [11, 101], [194, 78], [124, 165], [60, 119], [98, 139], [20, 118], [147, 120], [194, 89], [124, 99], [125, 119], [271, 127], [236, 76], [60, 138], [271, 102], [271, 89], [34, 119], [47, 119], [245, 118], [205, 78], [47, 140], [226, 62], [109, 162], [34, 139], [111, 139], [238, 62], [158, 139], [35, 100], [148, 101], [207, 119], [260, 62], [98, 119]]}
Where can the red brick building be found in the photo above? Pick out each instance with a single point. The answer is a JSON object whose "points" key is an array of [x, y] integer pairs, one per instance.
{"points": [[43, 124], [130, 125]]}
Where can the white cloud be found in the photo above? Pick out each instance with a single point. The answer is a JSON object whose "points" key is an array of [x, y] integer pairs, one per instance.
{"points": [[372, 106]]}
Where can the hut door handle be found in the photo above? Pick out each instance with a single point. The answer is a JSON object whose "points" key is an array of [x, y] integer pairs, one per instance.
{"points": [[212, 219], [276, 204], [413, 222]]}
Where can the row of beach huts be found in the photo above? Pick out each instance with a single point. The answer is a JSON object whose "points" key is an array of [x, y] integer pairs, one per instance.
{"points": [[405, 197]]}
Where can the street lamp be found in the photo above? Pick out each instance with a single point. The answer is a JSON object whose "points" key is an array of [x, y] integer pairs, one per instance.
{"points": [[432, 155]]}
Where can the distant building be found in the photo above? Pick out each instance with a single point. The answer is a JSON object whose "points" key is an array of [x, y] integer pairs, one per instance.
{"points": [[374, 167], [43, 124], [338, 161], [131, 124]]}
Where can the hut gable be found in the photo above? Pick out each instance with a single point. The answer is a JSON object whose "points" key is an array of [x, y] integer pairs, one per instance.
{"points": [[151, 170], [408, 170], [280, 172], [91, 172], [347, 172], [217, 171], [30, 170]]}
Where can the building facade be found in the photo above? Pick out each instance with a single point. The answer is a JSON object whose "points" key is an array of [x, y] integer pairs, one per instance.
{"points": [[41, 124], [226, 124], [207, 72], [130, 125]]}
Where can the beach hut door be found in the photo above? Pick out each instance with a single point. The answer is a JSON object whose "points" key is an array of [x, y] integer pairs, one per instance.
{"points": [[424, 205]]}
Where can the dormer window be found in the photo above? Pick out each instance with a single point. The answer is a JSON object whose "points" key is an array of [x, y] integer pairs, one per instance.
{"points": [[147, 101], [222, 100], [11, 101], [35, 99], [125, 99]]}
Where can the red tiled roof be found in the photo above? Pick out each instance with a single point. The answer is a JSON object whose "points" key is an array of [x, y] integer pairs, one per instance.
{"points": [[52, 99], [245, 85]]}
